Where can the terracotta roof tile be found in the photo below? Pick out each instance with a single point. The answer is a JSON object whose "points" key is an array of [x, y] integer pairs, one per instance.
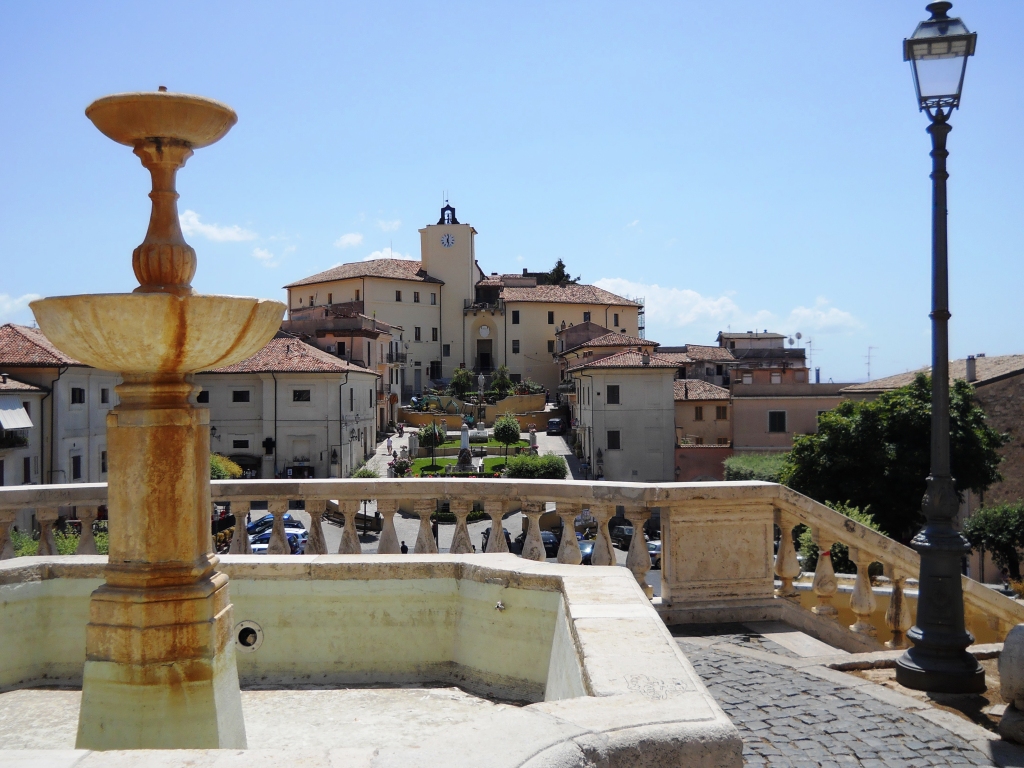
{"points": [[13, 385], [394, 269], [695, 389], [986, 369], [571, 293], [629, 358], [677, 357], [703, 353], [617, 340], [286, 354], [28, 347]]}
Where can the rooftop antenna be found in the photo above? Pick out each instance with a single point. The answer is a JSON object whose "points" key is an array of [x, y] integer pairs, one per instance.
{"points": [[869, 361]]}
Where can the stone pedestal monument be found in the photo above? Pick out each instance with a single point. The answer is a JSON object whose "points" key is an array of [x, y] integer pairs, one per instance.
{"points": [[160, 663]]}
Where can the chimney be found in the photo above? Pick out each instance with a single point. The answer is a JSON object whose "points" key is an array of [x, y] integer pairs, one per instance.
{"points": [[3, 378], [817, 375], [645, 358], [972, 368], [525, 273]]}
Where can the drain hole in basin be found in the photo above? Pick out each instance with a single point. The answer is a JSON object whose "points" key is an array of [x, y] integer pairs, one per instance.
{"points": [[248, 636]]}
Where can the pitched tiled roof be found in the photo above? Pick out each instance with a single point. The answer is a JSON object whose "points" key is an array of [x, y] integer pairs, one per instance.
{"points": [[703, 353], [286, 354], [676, 357], [395, 269], [695, 389], [27, 347], [13, 385], [570, 293], [986, 368], [629, 358], [617, 340]]}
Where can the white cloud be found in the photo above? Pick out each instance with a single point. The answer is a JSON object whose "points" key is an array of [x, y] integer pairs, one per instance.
{"points": [[389, 226], [351, 240], [387, 253], [191, 225], [269, 259], [633, 223], [822, 318], [14, 305], [520, 259]]}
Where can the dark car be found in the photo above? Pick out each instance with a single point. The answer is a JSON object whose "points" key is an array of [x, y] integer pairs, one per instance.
{"points": [[487, 535], [549, 539], [587, 550], [622, 535], [266, 522], [556, 426]]}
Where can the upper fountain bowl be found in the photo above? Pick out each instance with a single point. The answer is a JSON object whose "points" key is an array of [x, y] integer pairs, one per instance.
{"points": [[129, 118]]}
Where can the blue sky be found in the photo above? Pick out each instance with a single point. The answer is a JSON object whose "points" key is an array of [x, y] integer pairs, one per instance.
{"points": [[739, 164]]}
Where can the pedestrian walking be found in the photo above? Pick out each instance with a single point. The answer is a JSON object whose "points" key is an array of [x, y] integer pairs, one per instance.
{"points": [[405, 549], [389, 444]]}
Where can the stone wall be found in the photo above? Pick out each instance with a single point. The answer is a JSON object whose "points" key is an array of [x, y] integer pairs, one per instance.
{"points": [[1003, 402]]}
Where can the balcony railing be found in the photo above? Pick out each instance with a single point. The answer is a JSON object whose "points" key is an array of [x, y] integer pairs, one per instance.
{"points": [[13, 440], [397, 357], [718, 543]]}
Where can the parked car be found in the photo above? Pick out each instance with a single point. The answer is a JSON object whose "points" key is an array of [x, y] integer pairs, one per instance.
{"points": [[622, 535], [654, 549], [587, 550], [296, 542], [549, 539], [487, 534], [266, 522], [556, 426]]}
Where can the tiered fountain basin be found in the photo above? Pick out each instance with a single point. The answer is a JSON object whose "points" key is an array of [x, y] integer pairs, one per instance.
{"points": [[572, 665]]}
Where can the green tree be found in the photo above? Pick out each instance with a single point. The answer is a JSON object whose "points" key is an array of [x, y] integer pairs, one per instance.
{"points": [[1000, 531], [501, 383], [755, 466], [431, 436], [557, 275], [507, 431], [841, 562], [461, 383], [876, 454], [223, 468], [365, 472]]}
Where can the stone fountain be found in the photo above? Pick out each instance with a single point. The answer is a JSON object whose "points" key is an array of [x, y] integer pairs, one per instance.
{"points": [[160, 667]]}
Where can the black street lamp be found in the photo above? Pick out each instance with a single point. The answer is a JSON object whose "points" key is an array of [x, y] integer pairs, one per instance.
{"points": [[938, 660]]}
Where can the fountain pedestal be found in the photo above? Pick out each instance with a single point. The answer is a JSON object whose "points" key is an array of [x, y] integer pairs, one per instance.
{"points": [[160, 661]]}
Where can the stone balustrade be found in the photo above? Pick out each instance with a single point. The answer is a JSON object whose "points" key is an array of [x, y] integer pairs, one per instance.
{"points": [[719, 562]]}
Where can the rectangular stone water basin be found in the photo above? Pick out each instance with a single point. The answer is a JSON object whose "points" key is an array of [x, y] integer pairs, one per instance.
{"points": [[487, 660]]}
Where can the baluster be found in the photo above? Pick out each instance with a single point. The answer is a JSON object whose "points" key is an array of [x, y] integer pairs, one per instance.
{"points": [[425, 544], [824, 584], [496, 509], [533, 545], [603, 553], [862, 601], [638, 558], [46, 516], [6, 523], [897, 615], [87, 542], [461, 545], [349, 538], [787, 567], [278, 544], [388, 544], [569, 550], [316, 544], [240, 544]]}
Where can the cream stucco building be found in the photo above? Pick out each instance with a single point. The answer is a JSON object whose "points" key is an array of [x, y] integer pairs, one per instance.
{"points": [[453, 315]]}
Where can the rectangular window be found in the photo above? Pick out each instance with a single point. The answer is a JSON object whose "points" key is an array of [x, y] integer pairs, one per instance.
{"points": [[515, 378], [341, 348], [398, 295], [776, 421], [722, 412], [239, 443], [435, 369], [515, 317], [551, 318], [615, 319], [240, 396], [433, 334], [28, 408], [103, 462], [776, 378], [748, 378], [698, 440], [586, 317], [515, 346], [26, 470], [417, 332], [719, 370], [203, 397], [446, 350], [311, 301], [104, 395], [77, 396], [433, 299], [300, 395], [330, 298], [415, 297], [351, 400], [614, 444], [698, 413], [551, 347], [613, 394], [357, 294], [723, 441], [76, 467]]}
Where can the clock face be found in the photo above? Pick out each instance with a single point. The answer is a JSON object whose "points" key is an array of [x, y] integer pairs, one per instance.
{"points": [[447, 240]]}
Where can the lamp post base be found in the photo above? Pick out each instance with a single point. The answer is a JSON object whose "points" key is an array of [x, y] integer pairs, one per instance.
{"points": [[957, 673]]}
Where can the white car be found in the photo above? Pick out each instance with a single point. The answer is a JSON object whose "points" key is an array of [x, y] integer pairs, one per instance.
{"points": [[294, 535]]}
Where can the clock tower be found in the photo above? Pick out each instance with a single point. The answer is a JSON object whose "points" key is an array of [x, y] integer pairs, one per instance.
{"points": [[448, 252]]}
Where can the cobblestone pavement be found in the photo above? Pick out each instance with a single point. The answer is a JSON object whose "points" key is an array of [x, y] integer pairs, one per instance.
{"points": [[790, 718]]}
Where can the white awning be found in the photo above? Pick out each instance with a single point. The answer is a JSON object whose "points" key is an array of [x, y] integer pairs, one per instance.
{"points": [[12, 413]]}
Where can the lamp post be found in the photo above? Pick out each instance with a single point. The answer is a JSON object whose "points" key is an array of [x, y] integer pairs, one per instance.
{"points": [[938, 660]]}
